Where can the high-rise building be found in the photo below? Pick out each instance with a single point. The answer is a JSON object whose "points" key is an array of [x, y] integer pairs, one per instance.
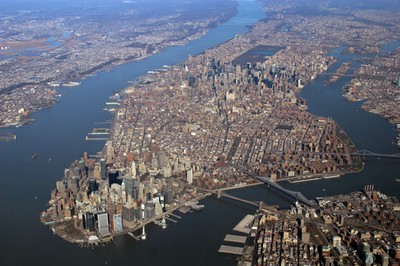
{"points": [[337, 241], [88, 221], [133, 169], [162, 159], [132, 187], [73, 184], [169, 196], [92, 185], [189, 176], [128, 216], [60, 185], [102, 223], [385, 260], [167, 171], [103, 169], [96, 171], [110, 152], [117, 223]]}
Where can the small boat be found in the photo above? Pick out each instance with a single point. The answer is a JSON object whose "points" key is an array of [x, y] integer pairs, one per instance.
{"points": [[34, 155], [196, 207], [398, 179]]}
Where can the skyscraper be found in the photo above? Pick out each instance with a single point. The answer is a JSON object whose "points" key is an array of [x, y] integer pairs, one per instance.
{"points": [[103, 169], [189, 176], [102, 223], [117, 223]]}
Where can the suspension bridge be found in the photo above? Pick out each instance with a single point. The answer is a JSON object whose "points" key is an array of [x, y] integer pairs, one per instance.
{"points": [[359, 153]]}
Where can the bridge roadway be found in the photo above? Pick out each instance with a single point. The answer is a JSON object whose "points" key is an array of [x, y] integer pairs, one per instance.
{"points": [[297, 195], [363, 153], [258, 204]]}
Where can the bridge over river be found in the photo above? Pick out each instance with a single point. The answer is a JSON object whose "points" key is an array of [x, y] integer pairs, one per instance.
{"points": [[298, 195]]}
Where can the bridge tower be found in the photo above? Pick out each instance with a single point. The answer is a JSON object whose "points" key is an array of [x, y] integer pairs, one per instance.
{"points": [[143, 236]]}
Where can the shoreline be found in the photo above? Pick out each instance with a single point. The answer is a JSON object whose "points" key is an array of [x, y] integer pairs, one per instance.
{"points": [[56, 227]]}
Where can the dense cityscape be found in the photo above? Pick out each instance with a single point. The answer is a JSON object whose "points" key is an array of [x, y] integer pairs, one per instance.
{"points": [[360, 228], [42, 48], [230, 117]]}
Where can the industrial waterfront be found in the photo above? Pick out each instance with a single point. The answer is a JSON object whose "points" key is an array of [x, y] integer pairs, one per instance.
{"points": [[58, 137]]}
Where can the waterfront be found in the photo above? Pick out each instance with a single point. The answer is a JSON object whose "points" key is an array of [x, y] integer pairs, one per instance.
{"points": [[196, 238]]}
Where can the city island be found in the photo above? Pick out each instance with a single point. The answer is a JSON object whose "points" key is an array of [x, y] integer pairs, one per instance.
{"points": [[232, 117]]}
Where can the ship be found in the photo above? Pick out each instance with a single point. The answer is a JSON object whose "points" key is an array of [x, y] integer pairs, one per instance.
{"points": [[196, 207], [71, 84], [34, 155], [8, 137]]}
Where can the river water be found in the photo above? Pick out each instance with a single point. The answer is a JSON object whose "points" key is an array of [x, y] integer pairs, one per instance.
{"points": [[58, 134]]}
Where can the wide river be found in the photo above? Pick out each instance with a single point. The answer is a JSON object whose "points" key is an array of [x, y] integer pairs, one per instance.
{"points": [[58, 135]]}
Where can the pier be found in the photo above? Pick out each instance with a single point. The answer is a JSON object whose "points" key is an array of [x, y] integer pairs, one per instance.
{"points": [[230, 250], [92, 139], [244, 226], [235, 239]]}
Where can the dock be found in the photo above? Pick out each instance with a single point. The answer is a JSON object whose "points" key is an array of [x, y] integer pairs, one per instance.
{"points": [[100, 131], [170, 219], [243, 225], [235, 239], [137, 238], [230, 250], [90, 138], [176, 216]]}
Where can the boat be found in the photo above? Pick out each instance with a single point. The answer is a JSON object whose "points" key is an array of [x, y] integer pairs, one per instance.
{"points": [[71, 84], [196, 207], [398, 179], [8, 137], [34, 155]]}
